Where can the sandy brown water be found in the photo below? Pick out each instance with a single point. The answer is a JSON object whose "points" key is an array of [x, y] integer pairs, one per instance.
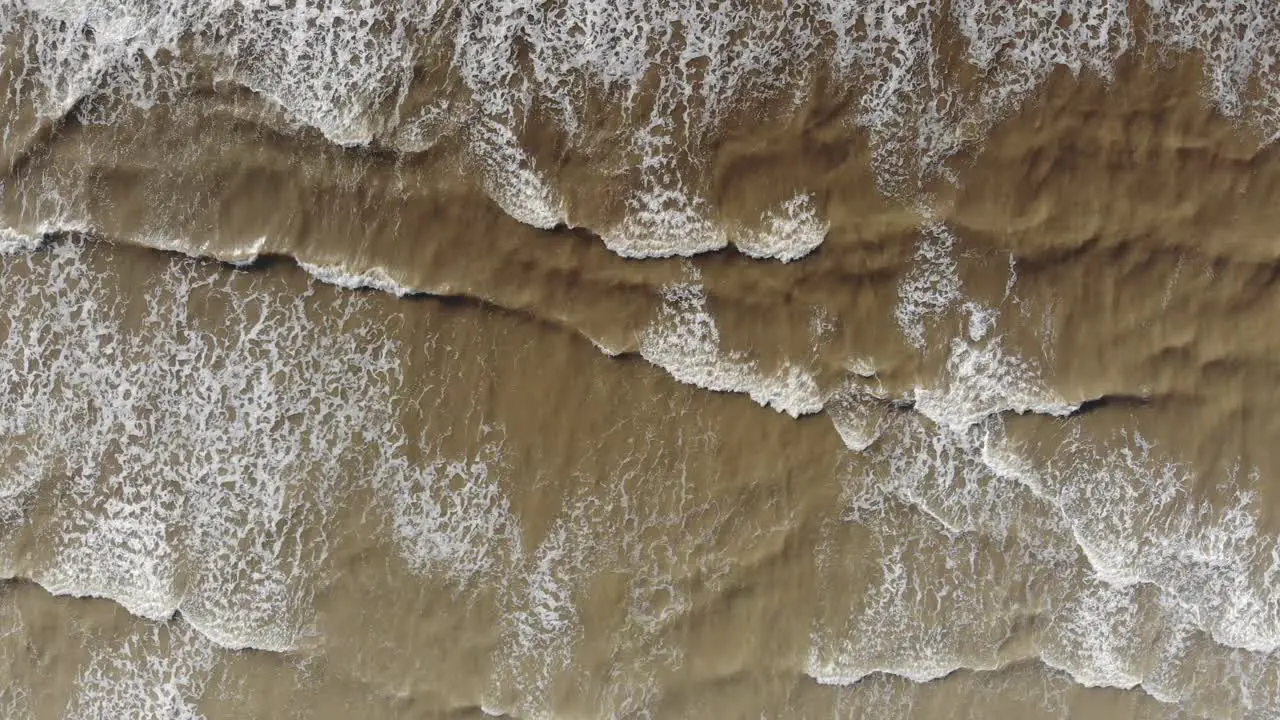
{"points": [[693, 567], [359, 364]]}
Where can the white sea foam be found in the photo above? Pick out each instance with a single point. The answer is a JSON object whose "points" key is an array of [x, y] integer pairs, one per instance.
{"points": [[1121, 532], [912, 620], [325, 65], [1240, 45], [1119, 536], [981, 378], [982, 319], [342, 67], [663, 219], [790, 233], [984, 379], [1208, 559], [183, 446], [450, 518], [157, 672], [375, 278], [1150, 520], [16, 243], [190, 447], [541, 624], [1022, 44], [930, 287], [639, 519], [1147, 628], [1208, 563], [664, 223], [684, 341], [858, 417], [822, 324], [511, 179]]}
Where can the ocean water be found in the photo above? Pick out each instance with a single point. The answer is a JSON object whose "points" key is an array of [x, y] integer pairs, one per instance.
{"points": [[415, 359]]}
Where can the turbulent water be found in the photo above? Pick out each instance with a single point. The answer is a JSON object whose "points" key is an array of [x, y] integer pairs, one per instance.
{"points": [[678, 359]]}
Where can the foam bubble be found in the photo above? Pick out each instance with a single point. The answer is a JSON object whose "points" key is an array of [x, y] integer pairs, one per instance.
{"points": [[1021, 45]]}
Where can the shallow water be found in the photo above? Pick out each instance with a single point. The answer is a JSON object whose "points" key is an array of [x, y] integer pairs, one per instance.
{"points": [[811, 359]]}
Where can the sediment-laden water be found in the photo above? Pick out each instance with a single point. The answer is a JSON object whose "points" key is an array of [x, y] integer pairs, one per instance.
{"points": [[858, 358]]}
